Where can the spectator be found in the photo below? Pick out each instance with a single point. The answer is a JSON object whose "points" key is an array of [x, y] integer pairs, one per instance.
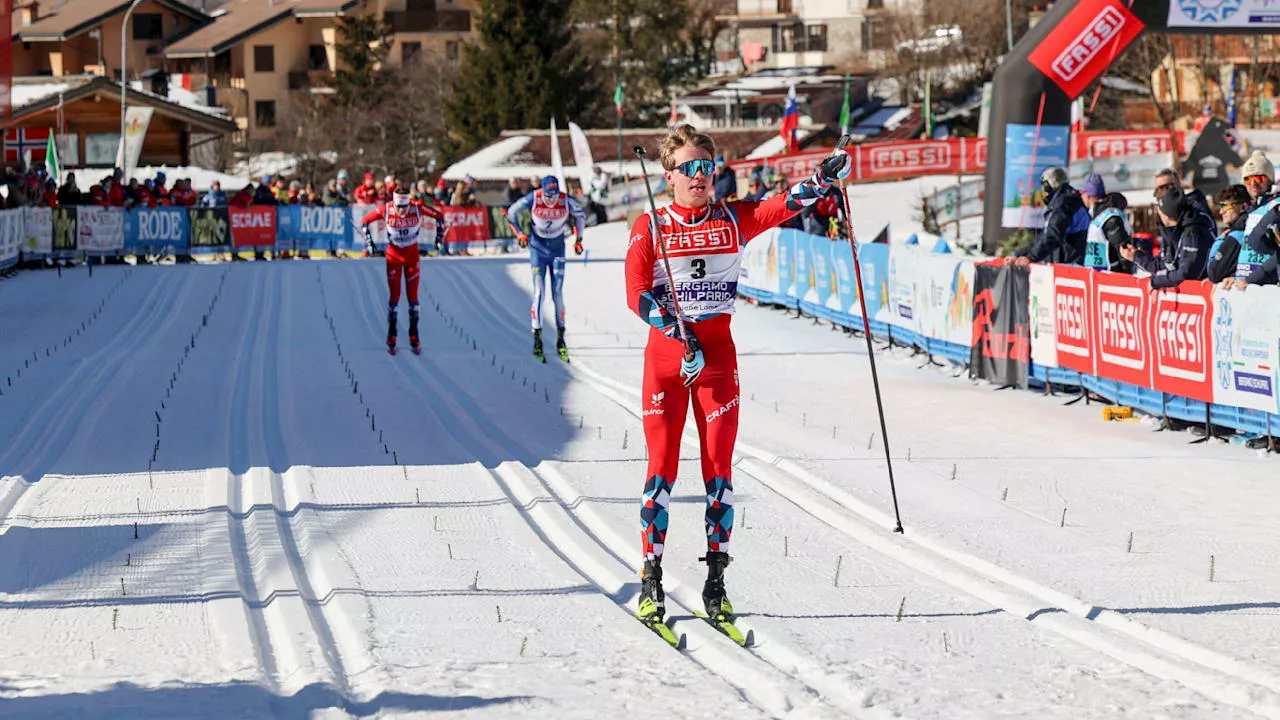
{"points": [[1233, 204], [332, 196], [755, 190], [442, 192], [367, 193], [69, 193], [1066, 224], [243, 198], [724, 181], [281, 190], [1185, 237], [50, 196], [215, 197], [159, 191], [343, 190], [462, 194], [422, 192], [309, 196], [1256, 264], [295, 192], [265, 194], [1109, 226], [514, 191], [1259, 177]]}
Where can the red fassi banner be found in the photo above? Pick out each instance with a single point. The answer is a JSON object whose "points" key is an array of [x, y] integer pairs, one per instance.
{"points": [[1125, 142], [253, 226], [1072, 290], [1081, 47], [882, 161], [1119, 313], [466, 224], [6, 58], [1181, 323]]}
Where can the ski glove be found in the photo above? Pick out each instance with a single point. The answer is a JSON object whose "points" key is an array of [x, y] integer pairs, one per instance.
{"points": [[522, 239], [691, 368], [368, 240], [577, 247], [836, 167]]}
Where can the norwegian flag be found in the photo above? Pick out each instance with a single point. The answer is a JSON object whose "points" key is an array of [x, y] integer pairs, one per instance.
{"points": [[18, 141], [790, 121]]}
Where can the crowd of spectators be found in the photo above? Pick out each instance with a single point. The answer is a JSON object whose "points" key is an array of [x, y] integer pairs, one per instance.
{"points": [[1232, 240]]}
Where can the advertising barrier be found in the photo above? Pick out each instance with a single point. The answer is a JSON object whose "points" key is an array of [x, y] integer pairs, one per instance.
{"points": [[154, 229], [253, 227], [37, 238], [12, 233]]}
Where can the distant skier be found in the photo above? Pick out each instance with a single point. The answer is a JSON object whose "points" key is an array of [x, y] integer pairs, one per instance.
{"points": [[550, 210], [704, 241], [403, 219]]}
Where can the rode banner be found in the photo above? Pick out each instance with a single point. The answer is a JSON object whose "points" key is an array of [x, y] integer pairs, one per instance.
{"points": [[1081, 47], [1181, 322], [1122, 350], [466, 224], [254, 226]]}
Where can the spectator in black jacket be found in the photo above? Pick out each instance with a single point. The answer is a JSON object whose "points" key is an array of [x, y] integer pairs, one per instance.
{"points": [[724, 181], [1233, 206], [1066, 224], [1186, 237], [69, 193]]}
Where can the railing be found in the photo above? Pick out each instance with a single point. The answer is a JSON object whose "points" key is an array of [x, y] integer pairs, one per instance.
{"points": [[430, 21], [310, 79]]}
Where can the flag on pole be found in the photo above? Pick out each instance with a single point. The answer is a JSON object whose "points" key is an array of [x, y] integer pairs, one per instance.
{"points": [[1231, 98], [790, 121], [51, 164], [617, 97], [844, 109]]}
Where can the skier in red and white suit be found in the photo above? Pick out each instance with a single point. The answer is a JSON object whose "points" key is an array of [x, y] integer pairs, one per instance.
{"points": [[704, 243], [403, 219]]}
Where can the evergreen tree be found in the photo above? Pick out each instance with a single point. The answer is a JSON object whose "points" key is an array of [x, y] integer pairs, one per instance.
{"points": [[364, 42], [526, 68]]}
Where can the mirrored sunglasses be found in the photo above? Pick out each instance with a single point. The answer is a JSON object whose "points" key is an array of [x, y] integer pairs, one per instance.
{"points": [[691, 168]]}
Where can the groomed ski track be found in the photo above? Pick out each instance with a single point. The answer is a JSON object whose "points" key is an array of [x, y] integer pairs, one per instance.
{"points": [[326, 531]]}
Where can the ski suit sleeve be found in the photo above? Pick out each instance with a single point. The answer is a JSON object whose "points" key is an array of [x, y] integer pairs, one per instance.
{"points": [[373, 216], [522, 205], [754, 217], [639, 273], [1113, 230], [1266, 274], [1053, 237], [579, 216]]}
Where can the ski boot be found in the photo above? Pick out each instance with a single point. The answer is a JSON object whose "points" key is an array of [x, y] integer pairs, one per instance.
{"points": [[713, 596], [391, 331], [414, 344], [537, 346], [560, 346], [653, 606]]}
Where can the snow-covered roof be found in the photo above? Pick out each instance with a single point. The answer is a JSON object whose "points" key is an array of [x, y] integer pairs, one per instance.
{"points": [[201, 178], [27, 93]]}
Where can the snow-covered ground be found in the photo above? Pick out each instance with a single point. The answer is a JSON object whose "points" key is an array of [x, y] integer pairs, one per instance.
{"points": [[222, 498]]}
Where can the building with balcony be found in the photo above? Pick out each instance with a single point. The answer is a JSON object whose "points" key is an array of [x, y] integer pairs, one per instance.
{"points": [[809, 33], [432, 26]]}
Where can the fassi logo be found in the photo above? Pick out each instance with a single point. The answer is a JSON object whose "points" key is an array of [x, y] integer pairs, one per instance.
{"points": [[686, 241], [1120, 327], [916, 157], [1182, 336], [1115, 146], [1091, 41], [1071, 316]]}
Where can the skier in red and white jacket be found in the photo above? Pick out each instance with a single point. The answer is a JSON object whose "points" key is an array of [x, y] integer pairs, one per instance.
{"points": [[704, 242], [403, 219]]}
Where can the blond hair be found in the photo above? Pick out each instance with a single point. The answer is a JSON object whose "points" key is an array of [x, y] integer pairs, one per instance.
{"points": [[684, 136]]}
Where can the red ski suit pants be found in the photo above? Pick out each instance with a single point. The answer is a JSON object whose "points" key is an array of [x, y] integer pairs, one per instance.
{"points": [[666, 401], [403, 261]]}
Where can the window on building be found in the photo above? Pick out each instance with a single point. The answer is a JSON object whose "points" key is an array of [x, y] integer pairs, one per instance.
{"points": [[784, 38], [874, 35], [264, 113], [409, 52], [451, 51], [817, 38], [148, 26], [317, 58], [264, 58], [222, 63]]}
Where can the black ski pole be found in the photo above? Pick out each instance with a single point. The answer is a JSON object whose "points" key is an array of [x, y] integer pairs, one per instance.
{"points": [[866, 327], [662, 248]]}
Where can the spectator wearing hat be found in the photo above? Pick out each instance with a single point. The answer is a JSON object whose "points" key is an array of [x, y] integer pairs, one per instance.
{"points": [[1186, 235], [1256, 264], [215, 197], [341, 190], [1066, 224], [366, 193], [723, 181], [442, 192], [1233, 203], [1109, 226], [69, 193], [264, 195], [243, 198]]}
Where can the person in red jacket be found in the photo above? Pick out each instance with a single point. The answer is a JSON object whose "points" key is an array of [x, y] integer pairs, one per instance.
{"points": [[704, 241], [403, 219], [366, 194]]}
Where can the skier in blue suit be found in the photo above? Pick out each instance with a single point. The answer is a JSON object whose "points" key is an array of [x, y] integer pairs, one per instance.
{"points": [[550, 210]]}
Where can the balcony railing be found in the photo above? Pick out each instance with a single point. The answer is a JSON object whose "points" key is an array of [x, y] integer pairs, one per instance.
{"points": [[764, 7], [306, 80], [430, 21]]}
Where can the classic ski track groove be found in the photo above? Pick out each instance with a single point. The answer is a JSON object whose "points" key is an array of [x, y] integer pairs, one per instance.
{"points": [[47, 435], [796, 666], [569, 541], [1153, 651], [287, 659]]}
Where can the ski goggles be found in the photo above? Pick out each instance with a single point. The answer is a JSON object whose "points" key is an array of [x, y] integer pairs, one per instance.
{"points": [[691, 168]]}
